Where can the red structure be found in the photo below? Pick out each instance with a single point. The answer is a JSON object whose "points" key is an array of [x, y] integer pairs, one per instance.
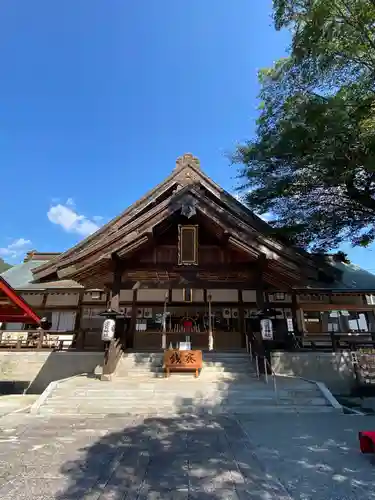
{"points": [[367, 441], [13, 309]]}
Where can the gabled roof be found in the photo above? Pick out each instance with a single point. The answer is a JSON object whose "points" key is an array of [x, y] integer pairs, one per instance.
{"points": [[13, 308], [186, 184]]}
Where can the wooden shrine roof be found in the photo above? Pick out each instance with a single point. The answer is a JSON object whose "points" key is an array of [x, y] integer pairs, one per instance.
{"points": [[186, 186], [13, 308]]}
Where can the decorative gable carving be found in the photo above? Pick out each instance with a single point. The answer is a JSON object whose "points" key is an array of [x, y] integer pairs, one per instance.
{"points": [[188, 160]]}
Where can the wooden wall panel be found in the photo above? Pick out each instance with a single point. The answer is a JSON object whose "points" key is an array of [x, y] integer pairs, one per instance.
{"points": [[87, 297], [126, 295], [33, 299], [151, 295], [249, 295], [62, 299], [223, 295], [178, 295]]}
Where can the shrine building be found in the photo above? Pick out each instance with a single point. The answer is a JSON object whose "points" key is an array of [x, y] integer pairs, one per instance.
{"points": [[189, 261]]}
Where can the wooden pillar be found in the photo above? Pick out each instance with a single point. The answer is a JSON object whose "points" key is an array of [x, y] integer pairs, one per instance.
{"points": [[241, 318], [116, 283], [115, 296], [297, 330], [131, 332], [261, 304], [79, 336]]}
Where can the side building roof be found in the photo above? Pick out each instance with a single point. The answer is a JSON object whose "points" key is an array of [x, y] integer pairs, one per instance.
{"points": [[353, 278], [21, 277]]}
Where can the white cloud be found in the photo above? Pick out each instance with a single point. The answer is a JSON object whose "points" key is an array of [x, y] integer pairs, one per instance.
{"points": [[72, 222], [97, 218], [15, 249]]}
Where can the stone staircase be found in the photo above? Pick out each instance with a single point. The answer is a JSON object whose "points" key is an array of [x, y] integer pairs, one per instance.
{"points": [[227, 384]]}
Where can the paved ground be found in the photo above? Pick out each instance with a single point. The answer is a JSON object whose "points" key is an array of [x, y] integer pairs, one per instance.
{"points": [[262, 457], [11, 403]]}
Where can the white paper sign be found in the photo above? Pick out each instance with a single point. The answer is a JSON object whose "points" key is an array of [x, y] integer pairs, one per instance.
{"points": [[185, 346], [108, 331], [266, 329]]}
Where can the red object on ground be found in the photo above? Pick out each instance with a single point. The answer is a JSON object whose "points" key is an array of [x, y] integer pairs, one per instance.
{"points": [[367, 441]]}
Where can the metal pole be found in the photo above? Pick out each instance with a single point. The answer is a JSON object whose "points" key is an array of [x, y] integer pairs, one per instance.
{"points": [[247, 344], [210, 336], [274, 387], [164, 336], [257, 365], [265, 368]]}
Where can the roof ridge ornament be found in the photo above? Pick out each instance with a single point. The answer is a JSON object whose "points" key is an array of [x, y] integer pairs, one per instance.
{"points": [[188, 160]]}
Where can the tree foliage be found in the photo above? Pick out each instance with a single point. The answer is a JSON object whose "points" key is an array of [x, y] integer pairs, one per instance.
{"points": [[311, 164], [4, 266]]}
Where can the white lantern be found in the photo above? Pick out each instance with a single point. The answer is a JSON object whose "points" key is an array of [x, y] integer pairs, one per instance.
{"points": [[108, 331]]}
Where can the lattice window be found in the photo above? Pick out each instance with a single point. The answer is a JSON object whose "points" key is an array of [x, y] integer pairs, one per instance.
{"points": [[187, 245]]}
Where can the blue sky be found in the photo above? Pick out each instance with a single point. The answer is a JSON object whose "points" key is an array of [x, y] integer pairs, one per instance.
{"points": [[99, 97]]}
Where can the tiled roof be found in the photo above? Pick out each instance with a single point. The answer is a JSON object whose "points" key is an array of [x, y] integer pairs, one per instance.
{"points": [[20, 277], [354, 278]]}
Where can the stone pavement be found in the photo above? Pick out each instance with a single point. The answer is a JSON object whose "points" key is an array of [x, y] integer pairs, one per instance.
{"points": [[262, 457], [10, 403]]}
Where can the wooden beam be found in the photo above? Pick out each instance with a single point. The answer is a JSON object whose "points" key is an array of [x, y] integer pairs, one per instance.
{"points": [[335, 307], [13, 318], [170, 267], [241, 318], [19, 302], [201, 284]]}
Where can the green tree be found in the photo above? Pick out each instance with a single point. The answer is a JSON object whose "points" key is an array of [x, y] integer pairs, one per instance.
{"points": [[4, 266], [311, 163]]}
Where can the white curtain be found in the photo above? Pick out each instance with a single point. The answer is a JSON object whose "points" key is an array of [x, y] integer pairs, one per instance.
{"points": [[63, 321]]}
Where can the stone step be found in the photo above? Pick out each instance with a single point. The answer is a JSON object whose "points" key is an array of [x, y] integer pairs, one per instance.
{"points": [[184, 387], [135, 405], [184, 384], [128, 373], [246, 382], [185, 378], [227, 384], [152, 413]]}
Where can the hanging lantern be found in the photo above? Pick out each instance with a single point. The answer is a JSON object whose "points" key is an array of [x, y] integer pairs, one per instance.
{"points": [[266, 329], [108, 331]]}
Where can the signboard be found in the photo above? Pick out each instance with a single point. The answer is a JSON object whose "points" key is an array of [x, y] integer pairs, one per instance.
{"points": [[266, 329], [14, 336], [364, 363], [108, 331]]}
